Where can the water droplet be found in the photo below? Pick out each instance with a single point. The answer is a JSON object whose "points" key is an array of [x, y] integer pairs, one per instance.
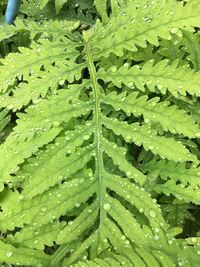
{"points": [[114, 69], [61, 82], [152, 213], [126, 65], [146, 120], [56, 123], [128, 174], [43, 209], [86, 137], [131, 84], [174, 30], [9, 254], [10, 106], [21, 197], [123, 237], [170, 242], [107, 206], [77, 205]]}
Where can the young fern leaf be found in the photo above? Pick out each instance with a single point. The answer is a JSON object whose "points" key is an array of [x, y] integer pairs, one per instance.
{"points": [[160, 76], [155, 110], [180, 191], [38, 131], [101, 7], [34, 237], [38, 73], [7, 31], [178, 180], [175, 171], [142, 22], [82, 168], [165, 147], [21, 255]]}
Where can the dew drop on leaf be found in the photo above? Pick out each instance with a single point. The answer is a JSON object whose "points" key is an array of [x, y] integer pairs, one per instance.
{"points": [[86, 137], [43, 209], [107, 206], [9, 254], [128, 174], [152, 213], [56, 123]]}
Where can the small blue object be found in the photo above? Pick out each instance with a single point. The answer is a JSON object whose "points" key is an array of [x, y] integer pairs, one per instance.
{"points": [[12, 10]]}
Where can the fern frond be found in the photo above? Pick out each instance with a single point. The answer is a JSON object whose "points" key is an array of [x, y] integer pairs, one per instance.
{"points": [[38, 129], [37, 237], [170, 117], [35, 78], [143, 135], [83, 175], [83, 222], [7, 31], [119, 160], [177, 214], [69, 12], [4, 119], [142, 22], [35, 62], [175, 171], [44, 208], [189, 106], [101, 7], [160, 76], [191, 44], [58, 159], [38, 88], [180, 191], [179, 181], [21, 255], [58, 4], [56, 29], [171, 49]]}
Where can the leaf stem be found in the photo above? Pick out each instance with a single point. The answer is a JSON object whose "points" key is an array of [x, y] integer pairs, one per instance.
{"points": [[98, 133]]}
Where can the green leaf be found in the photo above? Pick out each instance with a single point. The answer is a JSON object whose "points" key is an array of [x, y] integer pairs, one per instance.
{"points": [[169, 116], [155, 20], [157, 77]]}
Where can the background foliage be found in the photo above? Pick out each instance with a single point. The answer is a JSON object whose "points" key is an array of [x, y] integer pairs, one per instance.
{"points": [[99, 134]]}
